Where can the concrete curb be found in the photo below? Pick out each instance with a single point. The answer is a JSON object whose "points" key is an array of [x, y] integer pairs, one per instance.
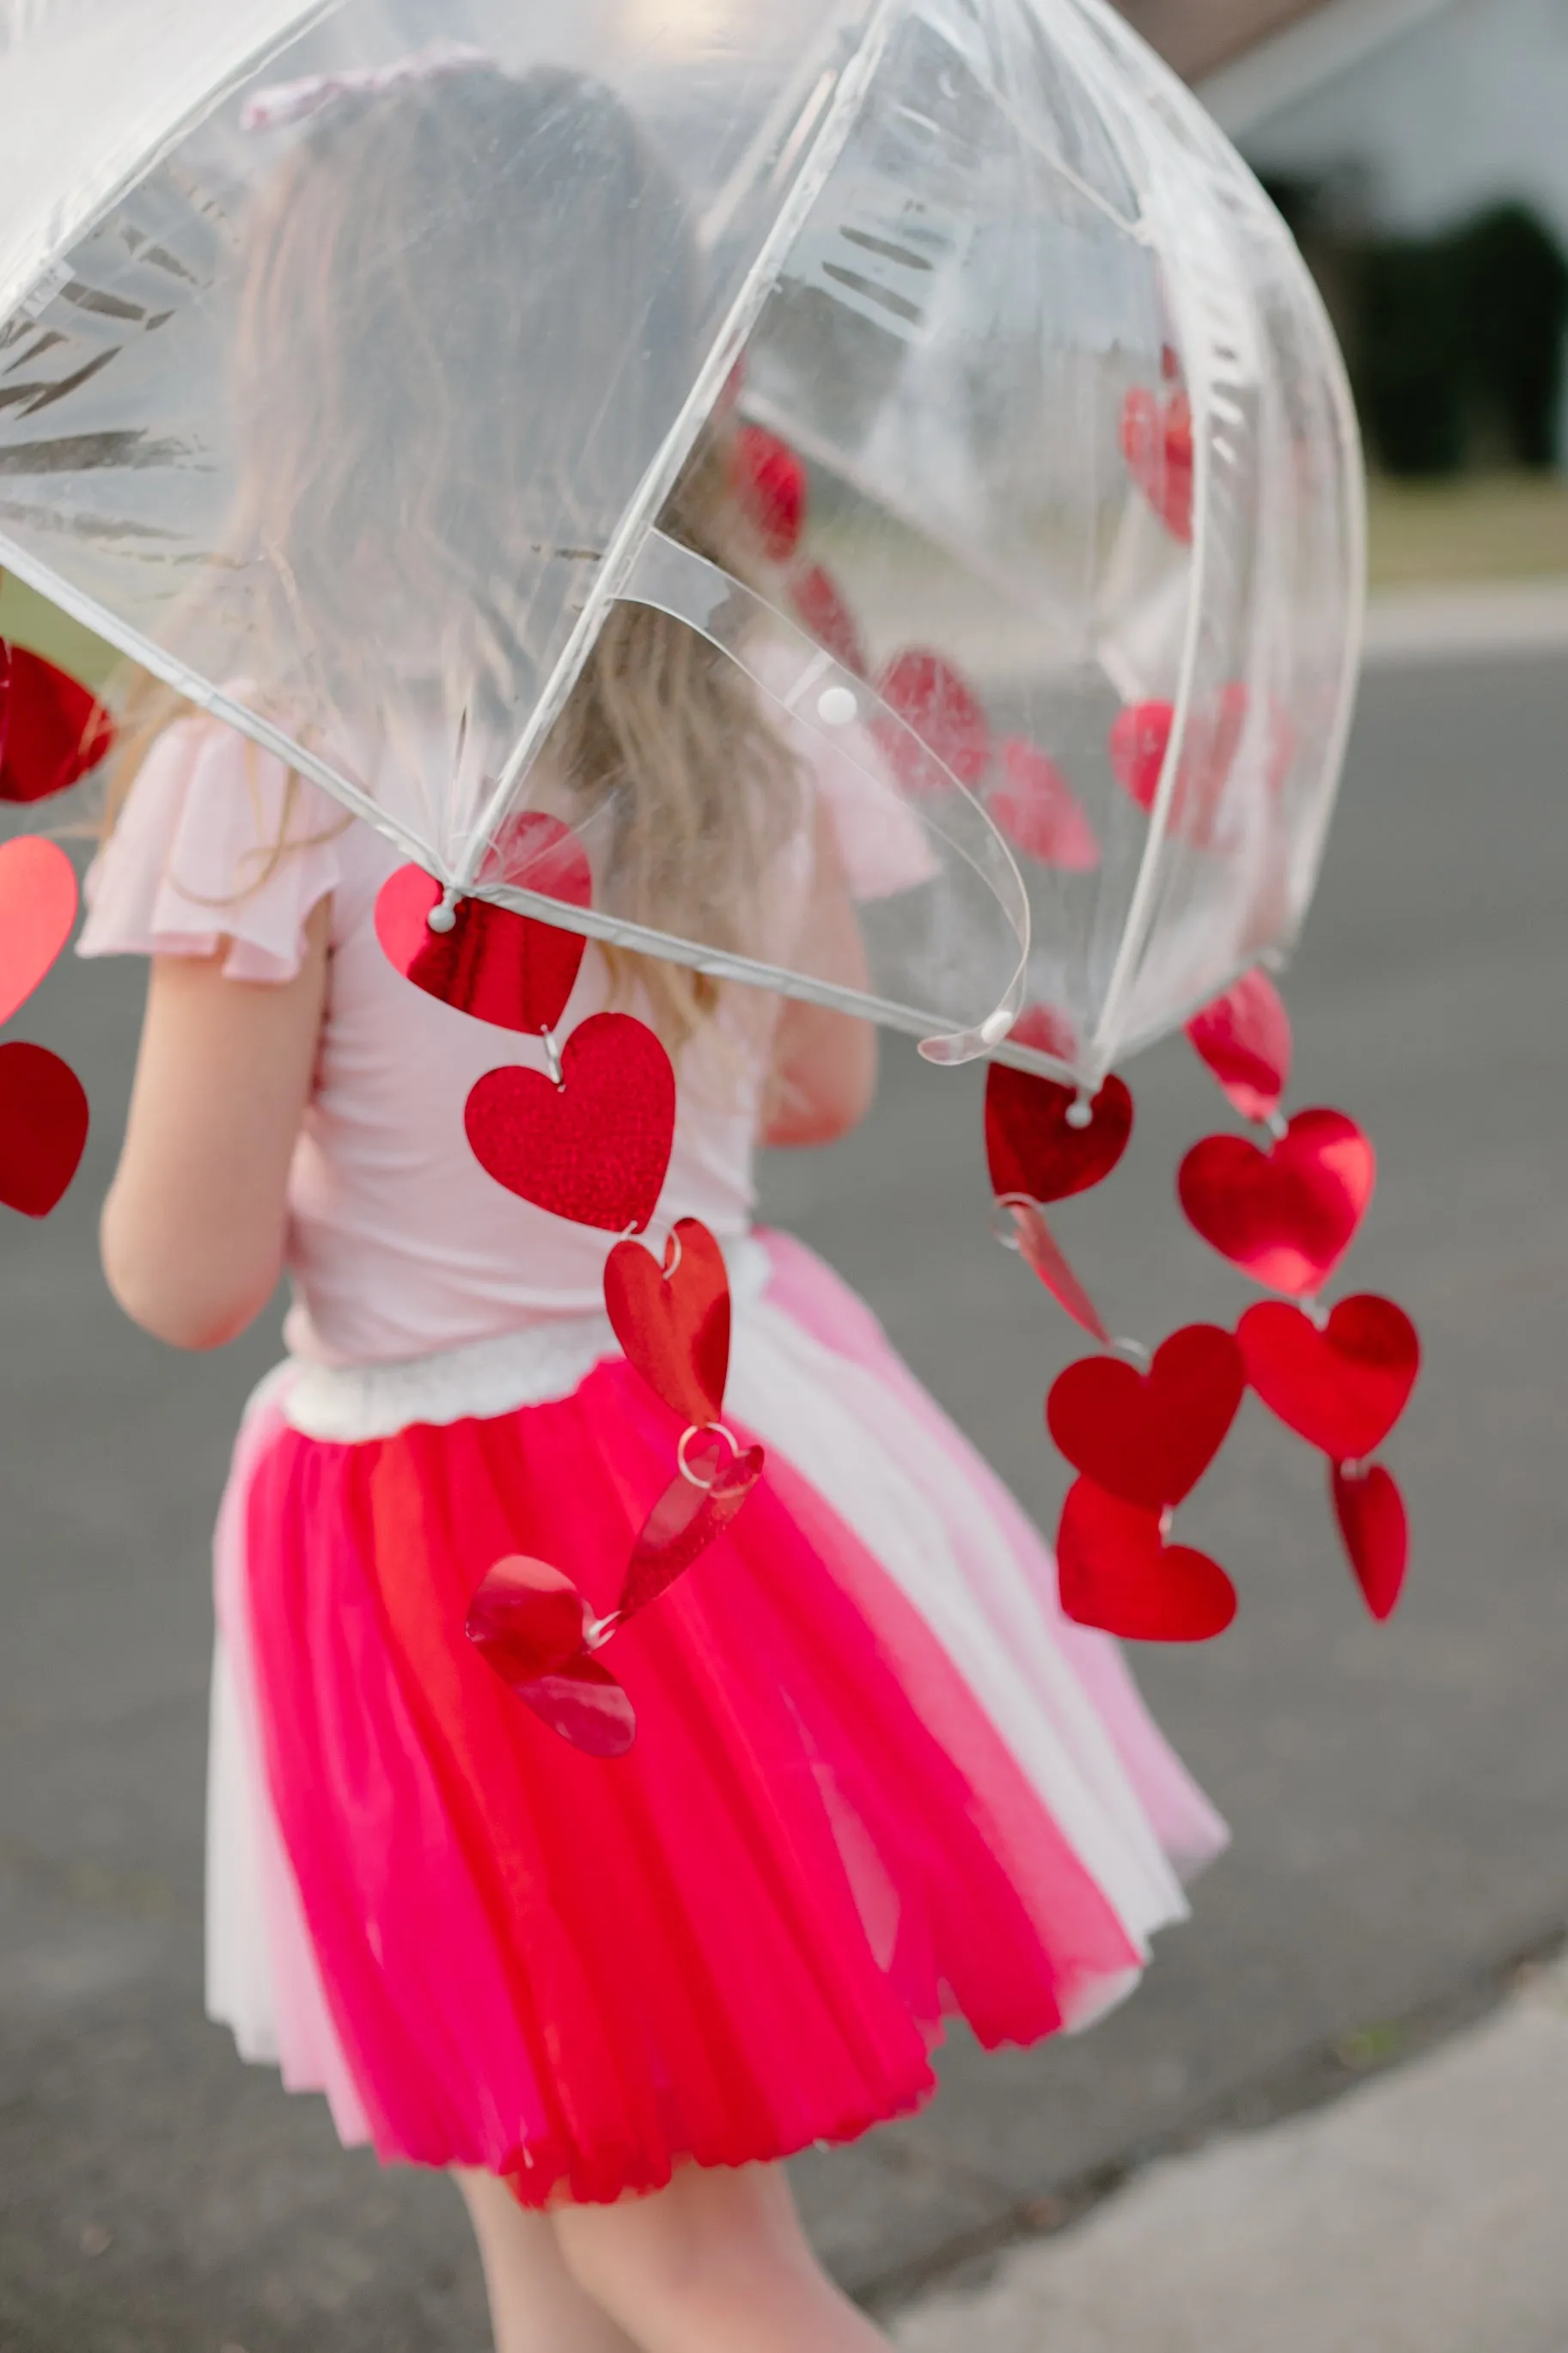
{"points": [[1466, 621], [1422, 2214]]}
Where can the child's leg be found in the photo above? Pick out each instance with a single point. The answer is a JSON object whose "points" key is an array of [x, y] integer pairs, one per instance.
{"points": [[715, 2264], [536, 2305]]}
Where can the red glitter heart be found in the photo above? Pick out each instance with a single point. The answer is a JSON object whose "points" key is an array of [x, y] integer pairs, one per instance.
{"points": [[689, 1515], [948, 717], [596, 1147], [819, 605], [673, 1322], [1037, 810], [770, 483], [529, 1623], [1343, 1389], [38, 908], [1148, 1437], [55, 732], [1288, 1216], [1375, 1531], [1245, 1038], [1117, 1572], [1032, 1149], [1157, 443], [494, 965], [1042, 1255], [43, 1127], [1139, 740]]}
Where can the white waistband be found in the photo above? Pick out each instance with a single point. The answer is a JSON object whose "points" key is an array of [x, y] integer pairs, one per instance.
{"points": [[346, 1404]]}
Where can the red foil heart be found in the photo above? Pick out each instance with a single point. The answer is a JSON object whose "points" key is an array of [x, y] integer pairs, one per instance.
{"points": [[1048, 1030], [1288, 1216], [688, 1517], [1375, 1531], [673, 1322], [1117, 1572], [1245, 1038], [1157, 443], [946, 715], [1030, 1146], [1040, 1250], [1148, 1437], [1343, 1389], [819, 605], [1036, 808], [530, 1624], [55, 732], [38, 908], [770, 483], [43, 1127], [1140, 739], [594, 1149], [494, 965]]}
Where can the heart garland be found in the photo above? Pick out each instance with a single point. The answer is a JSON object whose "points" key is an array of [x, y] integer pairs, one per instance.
{"points": [[44, 1114], [53, 730], [529, 1621], [498, 967], [1036, 808], [940, 711], [1157, 444], [1141, 1435]]}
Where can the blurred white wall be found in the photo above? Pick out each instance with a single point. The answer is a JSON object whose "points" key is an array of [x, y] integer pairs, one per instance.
{"points": [[1465, 104]]}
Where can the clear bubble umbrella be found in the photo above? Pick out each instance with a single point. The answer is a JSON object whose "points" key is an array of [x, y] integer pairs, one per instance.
{"points": [[1048, 439]]}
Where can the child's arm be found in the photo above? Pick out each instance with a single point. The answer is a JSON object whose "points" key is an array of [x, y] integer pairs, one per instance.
{"points": [[824, 1064], [194, 1227]]}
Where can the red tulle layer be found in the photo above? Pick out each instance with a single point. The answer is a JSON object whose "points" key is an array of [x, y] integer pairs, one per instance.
{"points": [[738, 1940]]}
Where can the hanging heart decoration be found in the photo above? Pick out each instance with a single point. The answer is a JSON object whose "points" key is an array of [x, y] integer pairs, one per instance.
{"points": [[1285, 1217], [673, 1322], [1048, 1031], [1118, 1573], [1148, 1437], [1157, 444], [1369, 1510], [43, 1127], [946, 715], [1032, 1146], [715, 1478], [1245, 1038], [1139, 740], [529, 1623], [596, 1148], [1342, 1388], [1041, 1252], [770, 484], [56, 732], [494, 965], [1034, 806], [819, 605], [38, 908]]}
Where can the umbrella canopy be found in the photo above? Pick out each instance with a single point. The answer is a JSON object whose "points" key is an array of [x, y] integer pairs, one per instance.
{"points": [[932, 366]]}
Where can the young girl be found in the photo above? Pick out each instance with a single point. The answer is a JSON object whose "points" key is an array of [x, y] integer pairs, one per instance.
{"points": [[877, 1779]]}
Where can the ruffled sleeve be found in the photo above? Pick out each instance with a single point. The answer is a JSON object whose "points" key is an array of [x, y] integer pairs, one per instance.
{"points": [[217, 840]]}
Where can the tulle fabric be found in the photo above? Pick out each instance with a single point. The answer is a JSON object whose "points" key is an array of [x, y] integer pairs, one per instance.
{"points": [[840, 1821]]}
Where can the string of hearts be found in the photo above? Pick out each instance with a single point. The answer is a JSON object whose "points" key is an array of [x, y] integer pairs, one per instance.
{"points": [[588, 1138], [1140, 1435], [52, 733]]}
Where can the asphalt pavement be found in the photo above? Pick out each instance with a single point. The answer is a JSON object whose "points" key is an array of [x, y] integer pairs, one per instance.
{"points": [[1397, 1794]]}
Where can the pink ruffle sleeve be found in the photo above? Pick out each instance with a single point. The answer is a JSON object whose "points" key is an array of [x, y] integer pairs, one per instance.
{"points": [[216, 841]]}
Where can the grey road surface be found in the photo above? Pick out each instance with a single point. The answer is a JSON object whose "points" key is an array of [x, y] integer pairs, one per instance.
{"points": [[1399, 1796]]}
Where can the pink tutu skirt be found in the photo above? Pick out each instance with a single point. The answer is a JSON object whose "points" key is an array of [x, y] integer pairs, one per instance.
{"points": [[877, 1779]]}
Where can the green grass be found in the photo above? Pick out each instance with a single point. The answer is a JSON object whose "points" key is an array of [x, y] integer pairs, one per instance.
{"points": [[1478, 527], [30, 620]]}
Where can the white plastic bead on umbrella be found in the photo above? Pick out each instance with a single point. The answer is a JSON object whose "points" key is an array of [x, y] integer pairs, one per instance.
{"points": [[1061, 549]]}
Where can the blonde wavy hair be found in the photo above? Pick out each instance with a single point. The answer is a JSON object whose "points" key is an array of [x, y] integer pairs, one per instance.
{"points": [[415, 252]]}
